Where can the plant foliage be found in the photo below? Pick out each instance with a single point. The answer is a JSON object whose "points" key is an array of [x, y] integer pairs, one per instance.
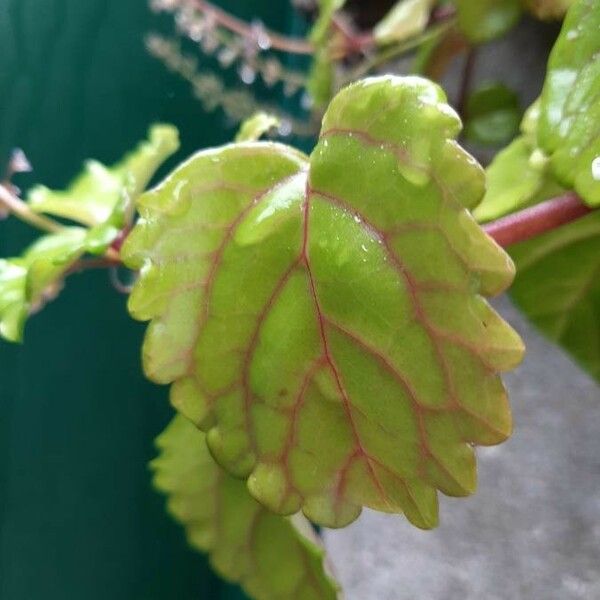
{"points": [[98, 200], [269, 556], [323, 318]]}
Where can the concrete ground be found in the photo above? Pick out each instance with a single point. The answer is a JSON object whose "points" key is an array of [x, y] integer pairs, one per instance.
{"points": [[532, 530]]}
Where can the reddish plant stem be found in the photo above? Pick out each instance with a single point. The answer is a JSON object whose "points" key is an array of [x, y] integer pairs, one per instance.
{"points": [[86, 264], [536, 220], [241, 28], [354, 42], [518, 227]]}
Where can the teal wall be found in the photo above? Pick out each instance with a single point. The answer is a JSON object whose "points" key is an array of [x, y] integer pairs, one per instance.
{"points": [[78, 518]]}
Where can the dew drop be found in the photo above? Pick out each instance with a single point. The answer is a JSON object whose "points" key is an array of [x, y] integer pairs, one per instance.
{"points": [[596, 169], [247, 74], [285, 128]]}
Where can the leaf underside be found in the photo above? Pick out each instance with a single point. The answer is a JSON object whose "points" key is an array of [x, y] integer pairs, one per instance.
{"points": [[323, 318], [268, 555]]}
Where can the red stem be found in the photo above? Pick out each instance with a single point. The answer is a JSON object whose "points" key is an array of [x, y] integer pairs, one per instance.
{"points": [[538, 219], [235, 25]]}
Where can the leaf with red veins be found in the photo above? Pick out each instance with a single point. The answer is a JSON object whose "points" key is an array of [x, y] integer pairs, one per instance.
{"points": [[324, 319], [268, 555]]}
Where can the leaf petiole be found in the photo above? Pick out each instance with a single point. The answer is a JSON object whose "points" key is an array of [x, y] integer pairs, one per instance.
{"points": [[22, 211]]}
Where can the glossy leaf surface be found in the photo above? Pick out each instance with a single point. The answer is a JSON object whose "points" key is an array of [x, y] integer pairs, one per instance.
{"points": [[569, 129], [324, 319], [558, 287], [268, 555], [484, 20]]}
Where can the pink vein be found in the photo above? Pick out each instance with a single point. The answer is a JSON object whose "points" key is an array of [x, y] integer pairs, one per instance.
{"points": [[360, 451], [413, 289]]}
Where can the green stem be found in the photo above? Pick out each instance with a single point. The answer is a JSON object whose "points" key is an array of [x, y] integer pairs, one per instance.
{"points": [[22, 211]]}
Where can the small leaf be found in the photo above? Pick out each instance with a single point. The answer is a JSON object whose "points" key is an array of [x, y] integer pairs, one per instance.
{"points": [[92, 196], [269, 556], [98, 198], [13, 311], [324, 319], [29, 281], [493, 114], [558, 287], [485, 20], [406, 19], [548, 9], [255, 127], [569, 129], [514, 181]]}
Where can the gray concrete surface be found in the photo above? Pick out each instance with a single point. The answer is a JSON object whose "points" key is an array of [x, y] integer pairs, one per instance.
{"points": [[531, 532]]}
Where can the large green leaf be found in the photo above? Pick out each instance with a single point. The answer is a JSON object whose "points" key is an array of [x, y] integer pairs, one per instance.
{"points": [[268, 555], [92, 197], [569, 129], [323, 319], [558, 287], [484, 20]]}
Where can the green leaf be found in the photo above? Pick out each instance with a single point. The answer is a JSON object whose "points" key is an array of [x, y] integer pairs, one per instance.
{"points": [[98, 198], [269, 556], [320, 30], [493, 114], [406, 19], [520, 174], [569, 129], [92, 197], [548, 9], [485, 20], [324, 319], [255, 127], [517, 178], [558, 287], [13, 311], [27, 282]]}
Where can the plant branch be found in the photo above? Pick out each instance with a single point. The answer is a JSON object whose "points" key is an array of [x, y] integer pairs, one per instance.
{"points": [[243, 29], [87, 264], [21, 210], [536, 220]]}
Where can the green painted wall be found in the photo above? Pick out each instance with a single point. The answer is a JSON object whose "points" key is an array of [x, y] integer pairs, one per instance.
{"points": [[78, 518]]}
